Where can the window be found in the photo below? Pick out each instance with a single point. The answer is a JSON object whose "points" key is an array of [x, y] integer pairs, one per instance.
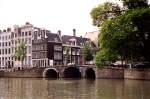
{"points": [[22, 33], [56, 39], [2, 38], [5, 51], [26, 33], [57, 48], [9, 51], [6, 43], [29, 32], [29, 41], [5, 37], [16, 42], [30, 59], [57, 56], [19, 41], [19, 34], [73, 52], [73, 43], [78, 51], [12, 42], [12, 35], [2, 44], [15, 35], [12, 49], [26, 39], [29, 49]]}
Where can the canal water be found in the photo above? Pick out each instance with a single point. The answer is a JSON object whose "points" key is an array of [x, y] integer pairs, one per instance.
{"points": [[38, 88]]}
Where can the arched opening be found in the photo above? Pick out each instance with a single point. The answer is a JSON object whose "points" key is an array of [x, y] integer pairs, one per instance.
{"points": [[90, 73], [72, 72], [51, 73]]}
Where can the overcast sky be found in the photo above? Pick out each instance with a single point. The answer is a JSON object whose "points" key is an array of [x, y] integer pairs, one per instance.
{"points": [[50, 14]]}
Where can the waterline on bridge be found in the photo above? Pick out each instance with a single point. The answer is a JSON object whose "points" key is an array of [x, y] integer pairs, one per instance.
{"points": [[50, 73], [72, 72], [69, 72]]}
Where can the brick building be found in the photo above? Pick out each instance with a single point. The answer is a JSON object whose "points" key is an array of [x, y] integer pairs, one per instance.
{"points": [[46, 49], [76, 45]]}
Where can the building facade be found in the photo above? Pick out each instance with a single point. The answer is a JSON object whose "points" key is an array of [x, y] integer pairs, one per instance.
{"points": [[46, 49], [5, 48], [43, 47], [75, 45], [93, 36], [22, 34]]}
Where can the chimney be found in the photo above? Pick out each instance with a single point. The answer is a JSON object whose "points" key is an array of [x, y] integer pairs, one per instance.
{"points": [[8, 29], [59, 32], [27, 23], [74, 32], [4, 30]]}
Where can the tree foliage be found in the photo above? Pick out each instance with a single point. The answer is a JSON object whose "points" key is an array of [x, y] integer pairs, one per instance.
{"points": [[87, 53], [104, 57], [135, 3], [66, 56], [127, 36], [103, 12], [21, 52]]}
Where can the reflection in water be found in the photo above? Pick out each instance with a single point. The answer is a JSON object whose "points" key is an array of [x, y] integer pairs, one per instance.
{"points": [[29, 88]]}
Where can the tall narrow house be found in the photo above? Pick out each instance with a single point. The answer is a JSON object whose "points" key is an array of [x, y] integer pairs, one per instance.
{"points": [[46, 49]]}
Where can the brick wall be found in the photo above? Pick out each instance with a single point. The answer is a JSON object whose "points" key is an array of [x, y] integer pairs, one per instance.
{"points": [[110, 73], [137, 74]]}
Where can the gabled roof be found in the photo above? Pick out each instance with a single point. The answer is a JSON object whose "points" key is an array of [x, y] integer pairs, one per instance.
{"points": [[52, 37], [79, 40]]}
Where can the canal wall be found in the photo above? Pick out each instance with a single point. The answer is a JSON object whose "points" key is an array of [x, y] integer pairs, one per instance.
{"points": [[141, 74], [101, 73], [114, 73], [109, 73], [26, 73]]}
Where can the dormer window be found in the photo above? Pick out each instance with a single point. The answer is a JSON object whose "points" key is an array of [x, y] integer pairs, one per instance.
{"points": [[39, 37], [45, 35], [73, 41], [67, 43], [56, 39]]}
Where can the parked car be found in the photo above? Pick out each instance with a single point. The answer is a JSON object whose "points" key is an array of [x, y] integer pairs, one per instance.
{"points": [[141, 65], [70, 64]]}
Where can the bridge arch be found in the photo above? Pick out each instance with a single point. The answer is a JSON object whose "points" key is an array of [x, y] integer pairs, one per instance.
{"points": [[90, 73], [50, 73], [72, 72]]}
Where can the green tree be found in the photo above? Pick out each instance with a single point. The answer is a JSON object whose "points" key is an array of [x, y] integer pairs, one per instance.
{"points": [[21, 52], [66, 56], [104, 57], [126, 36], [135, 3], [87, 53], [103, 12]]}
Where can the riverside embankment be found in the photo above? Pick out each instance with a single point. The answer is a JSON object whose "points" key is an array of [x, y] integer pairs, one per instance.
{"points": [[99, 73]]}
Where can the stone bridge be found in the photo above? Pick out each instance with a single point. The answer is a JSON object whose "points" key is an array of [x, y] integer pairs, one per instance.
{"points": [[85, 71]]}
